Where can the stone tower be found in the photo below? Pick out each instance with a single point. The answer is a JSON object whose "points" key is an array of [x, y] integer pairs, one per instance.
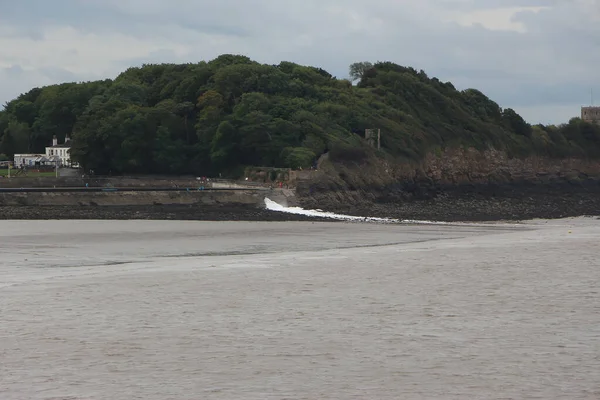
{"points": [[591, 114]]}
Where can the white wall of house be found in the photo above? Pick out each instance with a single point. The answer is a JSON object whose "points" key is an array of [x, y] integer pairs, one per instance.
{"points": [[63, 153]]}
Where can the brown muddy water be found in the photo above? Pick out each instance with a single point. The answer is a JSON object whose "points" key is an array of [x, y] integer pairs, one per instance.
{"points": [[162, 310]]}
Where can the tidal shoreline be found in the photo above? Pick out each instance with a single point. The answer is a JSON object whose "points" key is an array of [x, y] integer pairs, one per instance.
{"points": [[444, 208], [462, 203], [480, 208]]}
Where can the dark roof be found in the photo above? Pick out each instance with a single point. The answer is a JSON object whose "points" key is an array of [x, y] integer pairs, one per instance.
{"points": [[64, 145]]}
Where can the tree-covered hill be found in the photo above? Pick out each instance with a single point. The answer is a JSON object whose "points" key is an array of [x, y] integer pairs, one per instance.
{"points": [[218, 116]]}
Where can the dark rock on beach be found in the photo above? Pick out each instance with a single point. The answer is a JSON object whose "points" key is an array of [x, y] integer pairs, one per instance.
{"points": [[162, 212]]}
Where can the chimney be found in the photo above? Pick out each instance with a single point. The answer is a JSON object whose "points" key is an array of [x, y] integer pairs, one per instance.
{"points": [[54, 140], [67, 138]]}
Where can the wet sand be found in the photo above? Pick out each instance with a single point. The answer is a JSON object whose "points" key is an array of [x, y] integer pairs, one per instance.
{"points": [[299, 310]]}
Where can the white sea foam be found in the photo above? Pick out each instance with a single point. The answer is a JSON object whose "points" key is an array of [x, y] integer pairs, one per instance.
{"points": [[273, 206]]}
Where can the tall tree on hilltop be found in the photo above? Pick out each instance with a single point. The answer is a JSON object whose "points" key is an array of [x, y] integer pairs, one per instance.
{"points": [[358, 69]]}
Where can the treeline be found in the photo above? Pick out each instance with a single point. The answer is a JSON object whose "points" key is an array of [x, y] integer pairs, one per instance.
{"points": [[219, 116]]}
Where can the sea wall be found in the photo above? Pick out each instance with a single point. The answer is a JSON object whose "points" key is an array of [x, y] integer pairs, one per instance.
{"points": [[207, 197], [81, 181], [285, 197], [207, 205]]}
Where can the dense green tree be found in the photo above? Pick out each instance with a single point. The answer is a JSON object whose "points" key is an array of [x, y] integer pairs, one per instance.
{"points": [[18, 137], [7, 145], [185, 110], [219, 116], [25, 111], [515, 122], [224, 146]]}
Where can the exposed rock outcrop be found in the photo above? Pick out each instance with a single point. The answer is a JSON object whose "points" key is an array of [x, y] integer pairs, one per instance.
{"points": [[457, 184]]}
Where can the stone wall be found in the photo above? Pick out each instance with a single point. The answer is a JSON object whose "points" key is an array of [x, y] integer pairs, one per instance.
{"points": [[297, 176], [257, 177], [267, 175]]}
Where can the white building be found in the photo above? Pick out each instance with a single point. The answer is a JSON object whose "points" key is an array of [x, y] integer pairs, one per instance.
{"points": [[60, 153], [30, 160], [56, 155]]}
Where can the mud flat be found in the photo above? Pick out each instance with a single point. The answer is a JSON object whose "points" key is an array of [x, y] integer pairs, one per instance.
{"points": [[161, 310]]}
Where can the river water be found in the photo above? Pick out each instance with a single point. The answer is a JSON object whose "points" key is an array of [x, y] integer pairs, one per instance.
{"points": [[219, 310]]}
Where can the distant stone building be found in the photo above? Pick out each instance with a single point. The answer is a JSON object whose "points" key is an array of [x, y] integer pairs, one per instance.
{"points": [[590, 114]]}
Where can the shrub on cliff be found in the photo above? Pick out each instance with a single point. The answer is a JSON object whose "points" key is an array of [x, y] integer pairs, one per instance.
{"points": [[219, 116], [346, 153]]}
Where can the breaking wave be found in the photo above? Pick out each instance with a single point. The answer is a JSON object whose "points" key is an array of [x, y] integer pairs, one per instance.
{"points": [[273, 206]]}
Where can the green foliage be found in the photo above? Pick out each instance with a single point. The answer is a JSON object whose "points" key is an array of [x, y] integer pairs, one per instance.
{"points": [[347, 153], [224, 146], [298, 157], [358, 70], [31, 174], [515, 123], [223, 115], [17, 136], [7, 144]]}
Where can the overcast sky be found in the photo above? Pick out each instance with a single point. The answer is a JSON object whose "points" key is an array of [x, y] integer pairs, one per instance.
{"points": [[539, 57]]}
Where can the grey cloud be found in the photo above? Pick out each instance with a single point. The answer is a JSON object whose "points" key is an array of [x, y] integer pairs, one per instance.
{"points": [[559, 94], [548, 65], [32, 13], [494, 4], [15, 80], [58, 74], [155, 57], [14, 71]]}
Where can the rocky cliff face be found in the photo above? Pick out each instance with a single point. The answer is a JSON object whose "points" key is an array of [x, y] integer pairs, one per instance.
{"points": [[460, 166], [457, 184]]}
